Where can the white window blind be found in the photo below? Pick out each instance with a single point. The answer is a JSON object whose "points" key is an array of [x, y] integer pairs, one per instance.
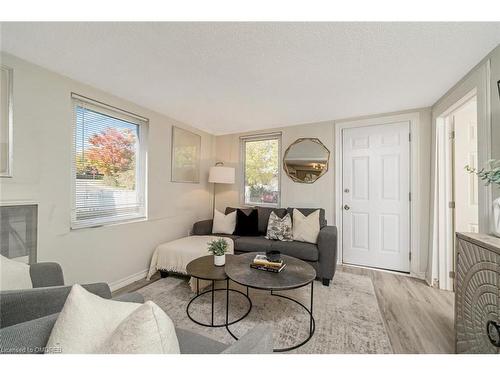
{"points": [[109, 164]]}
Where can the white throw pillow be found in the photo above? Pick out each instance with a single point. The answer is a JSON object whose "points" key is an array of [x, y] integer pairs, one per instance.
{"points": [[14, 275], [305, 228], [224, 224], [86, 321], [148, 330]]}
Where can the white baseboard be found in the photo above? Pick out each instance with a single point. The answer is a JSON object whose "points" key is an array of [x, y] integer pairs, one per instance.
{"points": [[419, 275], [128, 280]]}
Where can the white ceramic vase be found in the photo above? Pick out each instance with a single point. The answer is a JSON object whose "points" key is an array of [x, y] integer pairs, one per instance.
{"points": [[220, 260], [496, 217]]}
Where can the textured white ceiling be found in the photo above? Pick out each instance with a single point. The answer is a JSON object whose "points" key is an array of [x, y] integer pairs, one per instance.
{"points": [[232, 77]]}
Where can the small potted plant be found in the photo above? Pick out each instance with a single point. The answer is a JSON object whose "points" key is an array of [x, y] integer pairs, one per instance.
{"points": [[491, 176], [218, 248]]}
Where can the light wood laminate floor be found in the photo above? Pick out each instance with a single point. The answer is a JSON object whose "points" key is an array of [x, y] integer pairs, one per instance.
{"points": [[418, 318]]}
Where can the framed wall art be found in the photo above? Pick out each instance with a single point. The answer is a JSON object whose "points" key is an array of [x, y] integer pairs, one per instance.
{"points": [[186, 149]]}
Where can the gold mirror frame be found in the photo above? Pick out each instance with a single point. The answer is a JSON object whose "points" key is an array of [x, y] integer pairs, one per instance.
{"points": [[294, 178]]}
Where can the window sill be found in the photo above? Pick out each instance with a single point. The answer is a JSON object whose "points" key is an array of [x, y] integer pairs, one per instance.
{"points": [[94, 225], [270, 205]]}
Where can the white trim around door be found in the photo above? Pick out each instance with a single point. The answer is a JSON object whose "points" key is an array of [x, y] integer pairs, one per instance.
{"points": [[415, 211]]}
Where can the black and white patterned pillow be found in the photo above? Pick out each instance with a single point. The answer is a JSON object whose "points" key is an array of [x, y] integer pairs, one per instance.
{"points": [[279, 229]]}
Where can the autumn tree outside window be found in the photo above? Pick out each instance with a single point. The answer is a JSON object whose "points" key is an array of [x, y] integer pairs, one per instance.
{"points": [[261, 156], [109, 163]]}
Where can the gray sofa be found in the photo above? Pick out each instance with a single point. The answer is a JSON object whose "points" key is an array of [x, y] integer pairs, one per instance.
{"points": [[322, 256], [27, 317]]}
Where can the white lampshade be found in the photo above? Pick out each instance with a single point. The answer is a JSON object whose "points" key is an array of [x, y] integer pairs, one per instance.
{"points": [[221, 175]]}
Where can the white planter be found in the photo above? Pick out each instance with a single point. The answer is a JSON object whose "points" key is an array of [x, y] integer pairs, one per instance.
{"points": [[496, 217], [220, 260]]}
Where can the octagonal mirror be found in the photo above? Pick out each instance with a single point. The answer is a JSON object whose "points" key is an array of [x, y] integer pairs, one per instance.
{"points": [[306, 160]]}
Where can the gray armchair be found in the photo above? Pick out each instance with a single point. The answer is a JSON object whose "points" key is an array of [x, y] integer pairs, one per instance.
{"points": [[46, 274], [27, 317]]}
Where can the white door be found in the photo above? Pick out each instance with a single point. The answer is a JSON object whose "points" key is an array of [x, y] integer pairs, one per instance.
{"points": [[376, 187], [466, 189]]}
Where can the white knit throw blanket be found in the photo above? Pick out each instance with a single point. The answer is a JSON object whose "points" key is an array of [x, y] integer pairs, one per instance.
{"points": [[174, 256]]}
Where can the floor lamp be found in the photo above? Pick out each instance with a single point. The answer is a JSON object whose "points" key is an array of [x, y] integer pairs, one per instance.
{"points": [[220, 175]]}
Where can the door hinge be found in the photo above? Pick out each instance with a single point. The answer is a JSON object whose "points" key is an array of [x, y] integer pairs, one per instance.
{"points": [[451, 205], [409, 256], [452, 274], [409, 197], [409, 137], [452, 135]]}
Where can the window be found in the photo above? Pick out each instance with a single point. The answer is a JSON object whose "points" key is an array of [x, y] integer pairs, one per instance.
{"points": [[261, 166], [5, 121], [109, 164]]}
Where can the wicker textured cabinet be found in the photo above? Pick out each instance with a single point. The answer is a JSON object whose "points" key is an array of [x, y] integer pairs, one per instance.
{"points": [[477, 293]]}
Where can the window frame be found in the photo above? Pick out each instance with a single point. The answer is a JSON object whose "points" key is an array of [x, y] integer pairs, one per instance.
{"points": [[141, 164], [252, 138], [10, 122]]}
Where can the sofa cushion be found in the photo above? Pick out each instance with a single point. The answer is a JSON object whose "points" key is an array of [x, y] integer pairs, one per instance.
{"points": [[279, 228], [249, 244], [246, 223], [246, 210], [264, 213], [300, 250], [14, 275], [147, 330], [224, 223], [306, 228], [86, 321], [308, 211]]}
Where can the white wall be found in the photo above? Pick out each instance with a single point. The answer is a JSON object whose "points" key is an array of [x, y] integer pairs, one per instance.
{"points": [[495, 108], [482, 78], [42, 173]]}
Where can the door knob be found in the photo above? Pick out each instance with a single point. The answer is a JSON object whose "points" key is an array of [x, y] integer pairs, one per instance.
{"points": [[346, 207]]}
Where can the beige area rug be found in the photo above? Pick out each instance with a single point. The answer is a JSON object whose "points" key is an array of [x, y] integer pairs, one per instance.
{"points": [[347, 315]]}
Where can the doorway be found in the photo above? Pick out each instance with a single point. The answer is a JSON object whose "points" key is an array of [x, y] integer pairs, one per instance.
{"points": [[456, 190], [376, 196]]}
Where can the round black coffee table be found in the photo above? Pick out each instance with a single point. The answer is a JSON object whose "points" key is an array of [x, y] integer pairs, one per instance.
{"points": [[203, 268], [296, 274]]}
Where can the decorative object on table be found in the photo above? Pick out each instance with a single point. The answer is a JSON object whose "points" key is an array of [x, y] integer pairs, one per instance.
{"points": [[220, 175], [306, 160], [263, 263], [279, 228], [247, 223], [218, 248], [496, 217], [224, 224], [490, 176], [186, 148], [273, 256]]}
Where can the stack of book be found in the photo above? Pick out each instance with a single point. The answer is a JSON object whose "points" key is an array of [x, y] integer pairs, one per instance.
{"points": [[261, 262]]}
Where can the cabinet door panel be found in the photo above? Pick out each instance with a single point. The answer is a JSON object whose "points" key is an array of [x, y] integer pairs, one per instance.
{"points": [[477, 297]]}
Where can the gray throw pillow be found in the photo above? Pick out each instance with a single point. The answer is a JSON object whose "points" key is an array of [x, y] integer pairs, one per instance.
{"points": [[279, 229]]}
